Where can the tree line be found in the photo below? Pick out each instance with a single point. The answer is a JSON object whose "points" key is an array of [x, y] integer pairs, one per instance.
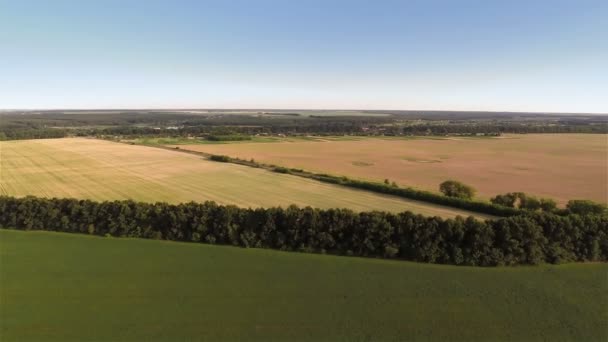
{"points": [[51, 124], [530, 238], [491, 129], [453, 193], [34, 133], [321, 129], [453, 198]]}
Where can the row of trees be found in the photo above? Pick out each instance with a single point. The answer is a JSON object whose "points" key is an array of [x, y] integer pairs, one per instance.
{"points": [[525, 239], [497, 128], [524, 201], [455, 194], [137, 124], [242, 133], [41, 133]]}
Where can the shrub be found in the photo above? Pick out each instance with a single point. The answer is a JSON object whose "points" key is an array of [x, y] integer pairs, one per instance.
{"points": [[220, 158], [585, 207], [228, 137], [456, 189], [547, 204], [524, 201], [280, 169]]}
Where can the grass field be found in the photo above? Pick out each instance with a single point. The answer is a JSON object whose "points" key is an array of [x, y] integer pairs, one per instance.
{"points": [[560, 166], [102, 170], [59, 286]]}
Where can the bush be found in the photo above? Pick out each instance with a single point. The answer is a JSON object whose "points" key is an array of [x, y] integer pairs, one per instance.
{"points": [[547, 204], [220, 158], [524, 201], [507, 200], [228, 137], [280, 169], [585, 207], [456, 189], [529, 203]]}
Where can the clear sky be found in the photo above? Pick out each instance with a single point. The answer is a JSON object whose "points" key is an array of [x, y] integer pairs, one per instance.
{"points": [[452, 55]]}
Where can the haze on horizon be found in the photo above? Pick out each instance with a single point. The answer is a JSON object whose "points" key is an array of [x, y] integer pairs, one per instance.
{"points": [[536, 56]]}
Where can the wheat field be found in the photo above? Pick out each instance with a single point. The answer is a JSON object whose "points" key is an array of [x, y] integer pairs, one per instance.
{"points": [[103, 170]]}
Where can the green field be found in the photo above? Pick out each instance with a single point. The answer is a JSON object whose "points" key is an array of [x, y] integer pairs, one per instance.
{"points": [[59, 286], [103, 170]]}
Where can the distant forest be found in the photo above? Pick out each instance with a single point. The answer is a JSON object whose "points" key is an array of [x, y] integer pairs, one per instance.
{"points": [[55, 124]]}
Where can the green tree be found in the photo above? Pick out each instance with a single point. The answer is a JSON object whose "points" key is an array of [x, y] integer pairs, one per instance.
{"points": [[452, 188], [507, 200], [529, 202], [585, 207], [524, 201], [547, 204]]}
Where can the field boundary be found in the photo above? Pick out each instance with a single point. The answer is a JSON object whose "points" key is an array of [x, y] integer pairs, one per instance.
{"points": [[101, 170], [543, 237], [407, 193]]}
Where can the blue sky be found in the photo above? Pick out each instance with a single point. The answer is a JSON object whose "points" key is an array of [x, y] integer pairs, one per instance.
{"points": [[451, 55]]}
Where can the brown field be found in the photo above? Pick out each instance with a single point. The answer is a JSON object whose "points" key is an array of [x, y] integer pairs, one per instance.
{"points": [[103, 170], [560, 166]]}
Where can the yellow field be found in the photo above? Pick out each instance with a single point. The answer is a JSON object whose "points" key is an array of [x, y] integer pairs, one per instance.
{"points": [[102, 170], [560, 166]]}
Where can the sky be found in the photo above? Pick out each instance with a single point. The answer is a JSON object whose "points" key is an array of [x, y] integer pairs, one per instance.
{"points": [[541, 56]]}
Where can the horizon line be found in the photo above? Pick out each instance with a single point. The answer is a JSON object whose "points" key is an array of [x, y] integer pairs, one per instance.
{"points": [[292, 109]]}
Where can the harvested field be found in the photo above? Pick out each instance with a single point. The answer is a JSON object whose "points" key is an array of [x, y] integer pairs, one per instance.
{"points": [[102, 170], [560, 166]]}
